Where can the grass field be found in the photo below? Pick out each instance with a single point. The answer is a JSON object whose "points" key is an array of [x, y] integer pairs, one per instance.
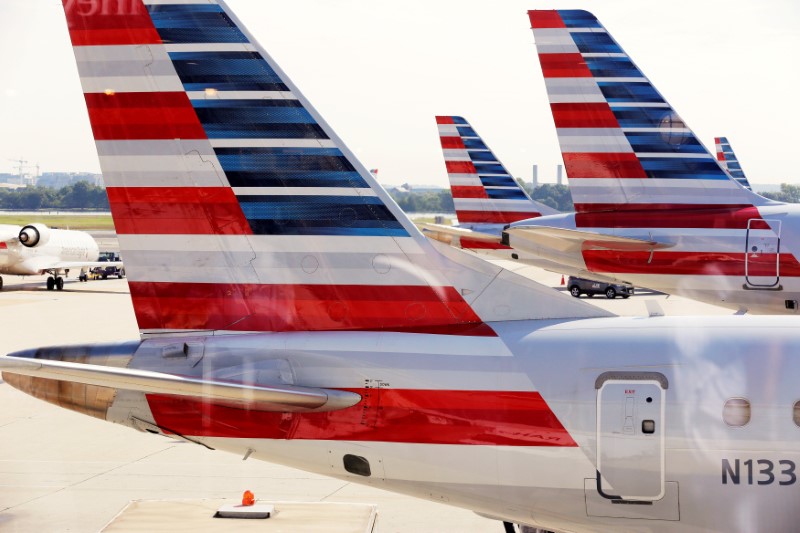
{"points": [[104, 222], [79, 222]]}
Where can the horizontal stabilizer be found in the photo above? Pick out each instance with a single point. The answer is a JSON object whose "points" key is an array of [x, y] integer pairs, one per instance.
{"points": [[569, 239], [459, 232], [283, 398]]}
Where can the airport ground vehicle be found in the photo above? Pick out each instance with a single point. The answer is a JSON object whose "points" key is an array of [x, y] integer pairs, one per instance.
{"points": [[105, 272], [590, 287]]}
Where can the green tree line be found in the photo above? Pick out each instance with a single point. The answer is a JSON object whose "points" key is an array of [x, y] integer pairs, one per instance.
{"points": [[555, 196], [83, 195], [788, 193], [80, 195]]}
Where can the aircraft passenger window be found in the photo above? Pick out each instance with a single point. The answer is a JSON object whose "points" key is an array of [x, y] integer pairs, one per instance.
{"points": [[736, 412], [797, 413]]}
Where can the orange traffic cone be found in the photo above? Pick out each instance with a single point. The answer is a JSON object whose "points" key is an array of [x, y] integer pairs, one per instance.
{"points": [[562, 279]]}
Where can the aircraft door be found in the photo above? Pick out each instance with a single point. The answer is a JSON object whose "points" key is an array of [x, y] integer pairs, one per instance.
{"points": [[630, 436], [762, 253]]}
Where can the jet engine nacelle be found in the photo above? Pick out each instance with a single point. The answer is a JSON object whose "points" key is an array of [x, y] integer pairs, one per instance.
{"points": [[34, 235]]}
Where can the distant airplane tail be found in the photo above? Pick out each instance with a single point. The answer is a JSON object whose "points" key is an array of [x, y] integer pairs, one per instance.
{"points": [[484, 192], [239, 209], [728, 161], [624, 147]]}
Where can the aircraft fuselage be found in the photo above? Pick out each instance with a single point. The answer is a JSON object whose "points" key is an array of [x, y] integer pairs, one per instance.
{"points": [[537, 412], [61, 246], [751, 264]]}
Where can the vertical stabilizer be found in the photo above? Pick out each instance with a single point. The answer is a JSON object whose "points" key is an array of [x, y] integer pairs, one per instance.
{"points": [[484, 192], [624, 146], [237, 207], [728, 161]]}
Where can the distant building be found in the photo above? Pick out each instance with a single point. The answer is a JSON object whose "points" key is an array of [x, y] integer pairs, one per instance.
{"points": [[58, 180], [9, 179]]}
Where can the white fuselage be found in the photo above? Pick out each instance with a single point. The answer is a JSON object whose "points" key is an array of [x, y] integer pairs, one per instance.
{"points": [[61, 246], [517, 426], [754, 269]]}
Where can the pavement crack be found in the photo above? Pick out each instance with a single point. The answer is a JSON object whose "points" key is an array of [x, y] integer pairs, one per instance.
{"points": [[345, 484]]}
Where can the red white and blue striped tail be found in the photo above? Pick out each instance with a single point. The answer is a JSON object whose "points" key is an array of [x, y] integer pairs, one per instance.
{"points": [[729, 162], [237, 207], [484, 192], [623, 145]]}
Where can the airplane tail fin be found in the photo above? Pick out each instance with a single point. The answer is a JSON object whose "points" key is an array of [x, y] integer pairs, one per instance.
{"points": [[624, 147], [728, 161], [484, 192], [239, 209]]}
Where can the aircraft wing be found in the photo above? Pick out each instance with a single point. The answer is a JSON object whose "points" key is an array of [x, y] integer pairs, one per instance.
{"points": [[459, 232], [36, 264], [87, 264], [280, 397], [569, 239]]}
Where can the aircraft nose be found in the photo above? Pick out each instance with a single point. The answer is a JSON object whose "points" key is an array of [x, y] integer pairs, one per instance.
{"points": [[91, 400]]}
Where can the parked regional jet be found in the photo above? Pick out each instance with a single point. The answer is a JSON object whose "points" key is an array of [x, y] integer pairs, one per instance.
{"points": [[292, 313], [653, 206], [37, 249], [729, 162]]}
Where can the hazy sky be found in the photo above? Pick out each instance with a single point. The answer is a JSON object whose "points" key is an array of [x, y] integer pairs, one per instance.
{"points": [[380, 71]]}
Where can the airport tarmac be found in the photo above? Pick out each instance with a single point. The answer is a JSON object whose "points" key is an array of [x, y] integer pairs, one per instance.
{"points": [[63, 471]]}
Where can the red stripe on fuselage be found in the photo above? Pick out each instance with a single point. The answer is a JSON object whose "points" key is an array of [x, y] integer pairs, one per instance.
{"points": [[503, 418], [177, 210], [690, 263], [251, 307], [583, 115], [564, 66], [603, 165], [143, 116], [667, 216], [495, 217], [109, 22], [471, 244]]}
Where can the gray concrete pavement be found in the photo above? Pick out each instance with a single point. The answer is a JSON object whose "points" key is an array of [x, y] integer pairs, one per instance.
{"points": [[62, 471]]}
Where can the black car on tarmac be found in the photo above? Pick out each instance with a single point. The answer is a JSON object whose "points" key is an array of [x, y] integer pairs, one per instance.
{"points": [[590, 287]]}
